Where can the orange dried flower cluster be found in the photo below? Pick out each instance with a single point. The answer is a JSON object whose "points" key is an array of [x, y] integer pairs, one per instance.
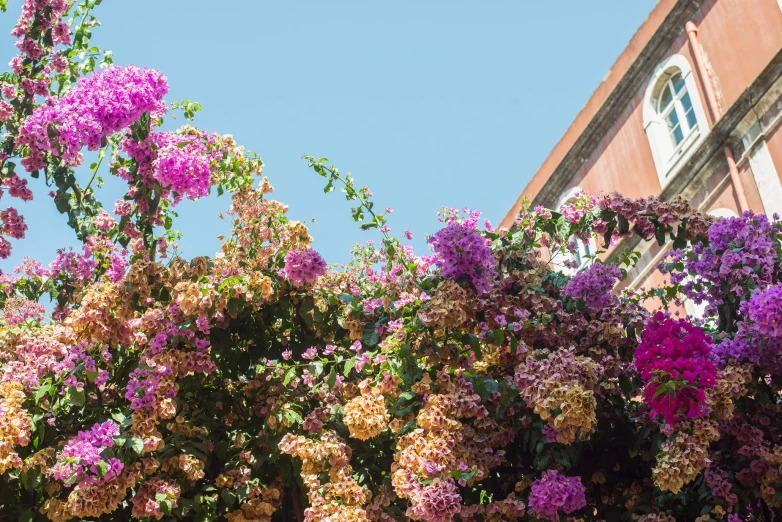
{"points": [[366, 416], [341, 498], [559, 387], [15, 424]]}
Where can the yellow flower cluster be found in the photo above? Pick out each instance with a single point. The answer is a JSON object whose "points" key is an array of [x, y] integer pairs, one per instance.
{"points": [[15, 424], [449, 306], [654, 517], [770, 480], [577, 412], [341, 499], [731, 385], [443, 443], [366, 416], [683, 457], [55, 510], [559, 387], [190, 466], [97, 499], [261, 504]]}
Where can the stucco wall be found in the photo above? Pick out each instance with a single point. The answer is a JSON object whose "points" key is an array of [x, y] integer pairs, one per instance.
{"points": [[623, 160]]}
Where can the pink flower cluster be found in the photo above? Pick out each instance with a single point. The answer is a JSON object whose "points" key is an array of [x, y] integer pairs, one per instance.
{"points": [[13, 225], [593, 285], [18, 311], [553, 492], [35, 358], [60, 30], [29, 9], [180, 162], [97, 252], [674, 360], [97, 107], [438, 501], [461, 253], [146, 501], [80, 459], [302, 267]]}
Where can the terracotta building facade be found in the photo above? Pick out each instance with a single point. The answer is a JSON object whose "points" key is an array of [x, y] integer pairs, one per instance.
{"points": [[691, 107]]}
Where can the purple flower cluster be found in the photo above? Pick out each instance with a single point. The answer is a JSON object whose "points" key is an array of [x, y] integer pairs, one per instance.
{"points": [[302, 267], [764, 310], [461, 252], [80, 459], [593, 285], [759, 336], [97, 107], [674, 360], [739, 257], [553, 492]]}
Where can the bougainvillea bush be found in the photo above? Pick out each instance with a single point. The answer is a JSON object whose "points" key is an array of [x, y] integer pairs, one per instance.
{"points": [[489, 379]]}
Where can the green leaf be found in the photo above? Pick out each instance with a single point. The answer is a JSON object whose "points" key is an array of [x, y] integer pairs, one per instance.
{"points": [[624, 225], [474, 343], [369, 336], [31, 479], [625, 385], [43, 390], [316, 368], [137, 445], [332, 377], [347, 298], [659, 233], [492, 386], [349, 364], [289, 376], [27, 515], [75, 396], [563, 227], [228, 497]]}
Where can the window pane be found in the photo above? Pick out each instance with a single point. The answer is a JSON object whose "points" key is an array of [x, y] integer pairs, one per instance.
{"points": [[585, 244], [672, 119], [677, 136], [665, 98], [678, 82], [687, 104]]}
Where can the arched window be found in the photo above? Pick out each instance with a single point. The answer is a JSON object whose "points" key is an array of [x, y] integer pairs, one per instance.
{"points": [[673, 116], [675, 108], [584, 248]]}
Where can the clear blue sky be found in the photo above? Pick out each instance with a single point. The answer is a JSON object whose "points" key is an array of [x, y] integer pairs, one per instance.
{"points": [[428, 102]]}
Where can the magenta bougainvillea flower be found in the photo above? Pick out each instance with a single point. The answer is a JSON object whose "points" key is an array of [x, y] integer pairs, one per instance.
{"points": [[674, 361]]}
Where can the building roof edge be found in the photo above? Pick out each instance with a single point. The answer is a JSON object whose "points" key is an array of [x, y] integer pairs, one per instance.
{"points": [[647, 47]]}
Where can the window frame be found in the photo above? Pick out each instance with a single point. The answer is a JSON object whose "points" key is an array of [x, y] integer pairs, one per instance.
{"points": [[668, 159]]}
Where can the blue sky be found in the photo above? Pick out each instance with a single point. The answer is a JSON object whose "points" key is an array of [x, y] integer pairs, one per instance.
{"points": [[428, 102]]}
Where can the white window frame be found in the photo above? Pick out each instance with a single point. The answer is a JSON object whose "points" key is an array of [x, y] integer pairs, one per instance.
{"points": [[584, 249], [667, 158]]}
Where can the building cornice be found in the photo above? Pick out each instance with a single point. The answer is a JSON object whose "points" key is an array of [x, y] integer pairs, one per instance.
{"points": [[635, 77], [721, 133]]}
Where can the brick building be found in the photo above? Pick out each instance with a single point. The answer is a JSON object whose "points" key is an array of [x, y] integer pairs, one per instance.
{"points": [[691, 107]]}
